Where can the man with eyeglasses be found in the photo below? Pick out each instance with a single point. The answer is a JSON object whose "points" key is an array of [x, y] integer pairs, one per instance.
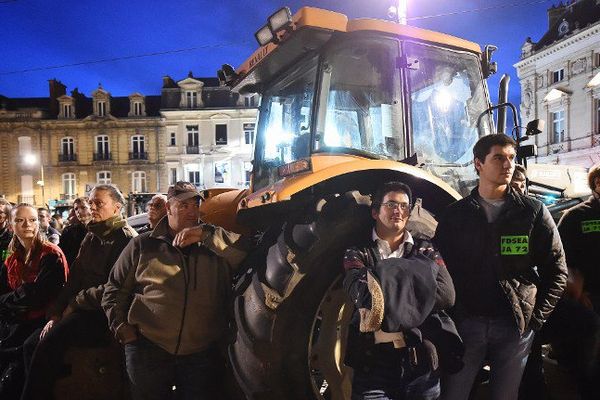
{"points": [[506, 259], [399, 286], [167, 298]]}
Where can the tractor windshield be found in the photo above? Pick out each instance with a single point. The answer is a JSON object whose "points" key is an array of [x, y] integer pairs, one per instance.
{"points": [[360, 107], [447, 95], [376, 97], [284, 122]]}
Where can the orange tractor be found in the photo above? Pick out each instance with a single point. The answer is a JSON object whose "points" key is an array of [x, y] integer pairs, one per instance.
{"points": [[345, 105]]}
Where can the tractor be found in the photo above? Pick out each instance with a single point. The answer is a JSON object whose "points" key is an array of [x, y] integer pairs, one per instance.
{"points": [[345, 105]]}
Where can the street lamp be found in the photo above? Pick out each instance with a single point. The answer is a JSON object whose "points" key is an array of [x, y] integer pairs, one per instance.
{"points": [[399, 11], [31, 159]]}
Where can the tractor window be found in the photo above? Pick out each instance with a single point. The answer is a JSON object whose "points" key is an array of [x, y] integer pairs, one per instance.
{"points": [[284, 122], [447, 95], [360, 104]]}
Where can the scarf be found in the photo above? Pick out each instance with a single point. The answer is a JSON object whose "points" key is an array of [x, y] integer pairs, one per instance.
{"points": [[103, 229]]}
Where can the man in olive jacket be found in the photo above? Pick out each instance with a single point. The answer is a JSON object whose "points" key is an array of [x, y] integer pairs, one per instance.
{"points": [[506, 259], [167, 300], [76, 317]]}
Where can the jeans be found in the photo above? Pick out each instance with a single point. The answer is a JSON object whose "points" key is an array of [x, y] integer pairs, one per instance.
{"points": [[153, 372], [499, 340], [395, 380]]}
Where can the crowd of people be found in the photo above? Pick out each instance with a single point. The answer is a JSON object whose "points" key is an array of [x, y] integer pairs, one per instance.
{"points": [[497, 281]]}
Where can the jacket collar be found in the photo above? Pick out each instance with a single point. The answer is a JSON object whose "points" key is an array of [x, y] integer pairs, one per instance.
{"points": [[511, 196], [161, 230]]}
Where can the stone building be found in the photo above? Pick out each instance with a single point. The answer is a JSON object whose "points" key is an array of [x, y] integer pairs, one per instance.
{"points": [[209, 132], [560, 83], [54, 149]]}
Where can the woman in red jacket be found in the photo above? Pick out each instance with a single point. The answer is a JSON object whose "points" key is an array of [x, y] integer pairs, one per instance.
{"points": [[30, 279]]}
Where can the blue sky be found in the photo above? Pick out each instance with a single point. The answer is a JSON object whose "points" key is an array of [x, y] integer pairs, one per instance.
{"points": [[40, 34]]}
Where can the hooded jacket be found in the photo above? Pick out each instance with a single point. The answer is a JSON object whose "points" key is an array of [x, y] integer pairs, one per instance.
{"points": [[514, 266], [175, 297]]}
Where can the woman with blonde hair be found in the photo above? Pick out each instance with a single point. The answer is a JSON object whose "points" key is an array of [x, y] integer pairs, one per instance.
{"points": [[30, 279]]}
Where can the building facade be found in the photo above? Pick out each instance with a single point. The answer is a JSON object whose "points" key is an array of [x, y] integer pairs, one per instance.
{"points": [[560, 83], [209, 132], [55, 149]]}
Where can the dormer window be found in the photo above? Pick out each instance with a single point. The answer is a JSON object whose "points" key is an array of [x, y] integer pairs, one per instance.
{"points": [[101, 102], [66, 108], [137, 108], [192, 99], [101, 108], [67, 111]]}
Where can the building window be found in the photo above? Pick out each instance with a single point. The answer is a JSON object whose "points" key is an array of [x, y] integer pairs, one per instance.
{"points": [[194, 177], [192, 132], [558, 75], [103, 178], [67, 146], [138, 148], [67, 110], [138, 182], [222, 175], [247, 173], [221, 134], [68, 185], [137, 108], [192, 99], [173, 139], [172, 176], [102, 148], [249, 133], [192, 140], [101, 108], [558, 126], [250, 101], [597, 60]]}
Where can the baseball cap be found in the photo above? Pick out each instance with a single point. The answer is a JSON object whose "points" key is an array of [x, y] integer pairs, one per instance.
{"points": [[182, 191]]}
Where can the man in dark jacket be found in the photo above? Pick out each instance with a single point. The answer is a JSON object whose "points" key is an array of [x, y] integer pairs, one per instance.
{"points": [[77, 317], [74, 233], [579, 230], [507, 263], [396, 281]]}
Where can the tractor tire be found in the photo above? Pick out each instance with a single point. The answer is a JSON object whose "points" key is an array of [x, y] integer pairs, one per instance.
{"points": [[292, 317]]}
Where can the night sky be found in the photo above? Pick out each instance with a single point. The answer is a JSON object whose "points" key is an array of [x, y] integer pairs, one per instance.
{"points": [[201, 35]]}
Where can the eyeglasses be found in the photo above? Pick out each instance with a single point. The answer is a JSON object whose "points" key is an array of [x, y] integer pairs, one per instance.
{"points": [[392, 205]]}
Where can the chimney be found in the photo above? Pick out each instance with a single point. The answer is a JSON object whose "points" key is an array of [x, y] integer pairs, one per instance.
{"points": [[554, 14], [168, 82], [57, 89]]}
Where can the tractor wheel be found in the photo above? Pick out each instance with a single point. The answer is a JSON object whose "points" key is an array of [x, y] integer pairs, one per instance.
{"points": [[292, 318]]}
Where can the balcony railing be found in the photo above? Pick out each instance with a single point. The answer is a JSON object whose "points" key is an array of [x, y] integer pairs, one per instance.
{"points": [[67, 157], [30, 199], [102, 156], [67, 196], [138, 155], [192, 149]]}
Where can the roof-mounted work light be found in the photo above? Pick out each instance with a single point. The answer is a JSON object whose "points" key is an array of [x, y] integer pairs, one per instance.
{"points": [[281, 19], [264, 35], [278, 21]]}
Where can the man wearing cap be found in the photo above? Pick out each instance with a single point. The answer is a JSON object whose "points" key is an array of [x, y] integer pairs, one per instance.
{"points": [[167, 298]]}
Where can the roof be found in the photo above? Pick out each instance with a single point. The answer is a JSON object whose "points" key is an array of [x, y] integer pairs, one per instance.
{"points": [[14, 104], [576, 16]]}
